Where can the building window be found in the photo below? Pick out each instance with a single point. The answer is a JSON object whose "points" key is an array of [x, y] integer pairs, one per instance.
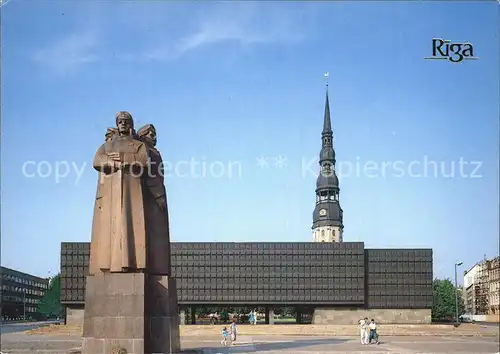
{"points": [[322, 233], [333, 233]]}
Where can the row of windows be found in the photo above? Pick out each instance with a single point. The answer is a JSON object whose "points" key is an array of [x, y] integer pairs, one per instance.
{"points": [[196, 247], [24, 281], [270, 267], [31, 309], [323, 233], [320, 254], [320, 249], [284, 276], [324, 198], [277, 269], [14, 298], [325, 240], [270, 276], [282, 246], [494, 275], [494, 298], [259, 263], [275, 282], [204, 258], [19, 289], [300, 262]]}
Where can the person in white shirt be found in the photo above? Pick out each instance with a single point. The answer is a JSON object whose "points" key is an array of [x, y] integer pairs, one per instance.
{"points": [[233, 331], [373, 332], [363, 330]]}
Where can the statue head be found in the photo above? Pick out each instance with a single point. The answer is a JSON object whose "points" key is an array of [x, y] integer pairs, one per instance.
{"points": [[110, 133], [147, 134], [124, 123]]}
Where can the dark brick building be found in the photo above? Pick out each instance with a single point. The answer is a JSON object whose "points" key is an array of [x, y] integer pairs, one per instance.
{"points": [[340, 281]]}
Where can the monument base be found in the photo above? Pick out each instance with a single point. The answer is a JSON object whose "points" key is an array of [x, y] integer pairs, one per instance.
{"points": [[133, 311]]}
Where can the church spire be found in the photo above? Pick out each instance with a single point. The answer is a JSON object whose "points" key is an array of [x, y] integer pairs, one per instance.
{"points": [[327, 124], [328, 215], [327, 154]]}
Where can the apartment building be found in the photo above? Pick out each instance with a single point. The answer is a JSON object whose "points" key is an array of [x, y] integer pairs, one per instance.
{"points": [[494, 286], [482, 288], [20, 294], [472, 289]]}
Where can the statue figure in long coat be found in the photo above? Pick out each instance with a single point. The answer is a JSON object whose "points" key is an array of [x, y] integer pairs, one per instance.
{"points": [[155, 205], [119, 225], [98, 260]]}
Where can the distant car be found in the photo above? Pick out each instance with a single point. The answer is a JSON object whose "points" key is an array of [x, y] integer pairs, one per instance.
{"points": [[466, 319]]}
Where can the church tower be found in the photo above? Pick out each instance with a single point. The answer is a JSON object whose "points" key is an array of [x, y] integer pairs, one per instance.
{"points": [[327, 217]]}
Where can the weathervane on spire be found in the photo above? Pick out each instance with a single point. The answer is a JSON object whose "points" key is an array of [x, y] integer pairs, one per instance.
{"points": [[327, 74]]}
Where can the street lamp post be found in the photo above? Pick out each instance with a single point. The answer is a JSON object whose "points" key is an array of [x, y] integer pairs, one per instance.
{"points": [[24, 304], [456, 290]]}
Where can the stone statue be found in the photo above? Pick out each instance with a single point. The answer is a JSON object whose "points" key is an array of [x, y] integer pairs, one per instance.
{"points": [[110, 133], [130, 295], [119, 226], [155, 205], [98, 260]]}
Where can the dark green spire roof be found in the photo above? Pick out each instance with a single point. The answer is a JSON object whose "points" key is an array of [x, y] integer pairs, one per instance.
{"points": [[327, 123]]}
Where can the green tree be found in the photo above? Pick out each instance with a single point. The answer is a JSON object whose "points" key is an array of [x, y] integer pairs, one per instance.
{"points": [[461, 302], [50, 304], [224, 316], [443, 302], [289, 312]]}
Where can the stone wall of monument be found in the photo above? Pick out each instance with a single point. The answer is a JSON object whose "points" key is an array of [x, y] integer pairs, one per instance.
{"points": [[74, 315], [341, 316]]}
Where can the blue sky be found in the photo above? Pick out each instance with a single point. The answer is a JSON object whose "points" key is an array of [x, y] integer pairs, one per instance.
{"points": [[225, 83]]}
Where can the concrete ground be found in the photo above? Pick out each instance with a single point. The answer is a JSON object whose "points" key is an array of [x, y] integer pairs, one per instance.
{"points": [[325, 345], [23, 343], [20, 342], [23, 326]]}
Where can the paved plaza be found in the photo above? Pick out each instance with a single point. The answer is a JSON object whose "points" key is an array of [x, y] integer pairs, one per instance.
{"points": [[22, 343], [325, 345]]}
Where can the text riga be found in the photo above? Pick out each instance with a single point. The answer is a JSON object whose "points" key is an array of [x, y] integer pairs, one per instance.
{"points": [[454, 52]]}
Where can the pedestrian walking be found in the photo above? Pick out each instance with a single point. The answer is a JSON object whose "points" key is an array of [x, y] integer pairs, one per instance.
{"points": [[367, 330], [363, 330], [361, 324], [225, 334], [233, 330], [373, 332], [251, 317], [255, 316]]}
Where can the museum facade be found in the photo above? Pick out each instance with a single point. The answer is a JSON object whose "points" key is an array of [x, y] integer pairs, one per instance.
{"points": [[339, 282]]}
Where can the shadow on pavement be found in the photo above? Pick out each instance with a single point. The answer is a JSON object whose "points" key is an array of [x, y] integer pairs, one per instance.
{"points": [[21, 327], [265, 347]]}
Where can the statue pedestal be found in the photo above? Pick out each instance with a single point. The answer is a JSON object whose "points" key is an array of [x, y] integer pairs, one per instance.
{"points": [[133, 311]]}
